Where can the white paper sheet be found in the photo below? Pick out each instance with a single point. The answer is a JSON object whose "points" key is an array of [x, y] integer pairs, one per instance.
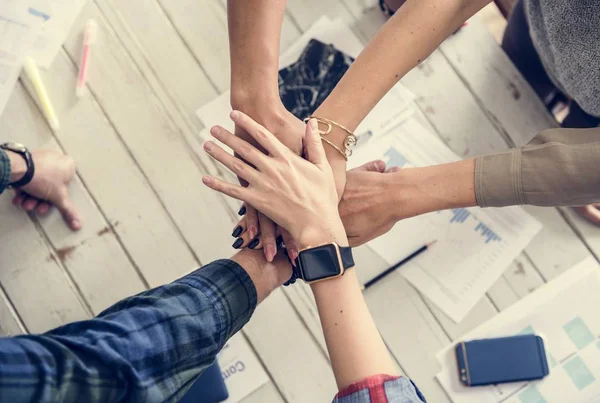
{"points": [[18, 27], [241, 370], [474, 246], [59, 17], [565, 312]]}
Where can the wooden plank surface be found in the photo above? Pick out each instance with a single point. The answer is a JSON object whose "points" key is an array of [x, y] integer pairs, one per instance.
{"points": [[92, 256], [154, 141], [149, 220]]}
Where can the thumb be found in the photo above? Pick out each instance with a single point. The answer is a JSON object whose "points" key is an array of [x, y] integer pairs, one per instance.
{"points": [[372, 166], [70, 213], [313, 143]]}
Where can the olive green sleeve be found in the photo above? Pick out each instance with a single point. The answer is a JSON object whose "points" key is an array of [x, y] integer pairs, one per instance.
{"points": [[557, 168]]}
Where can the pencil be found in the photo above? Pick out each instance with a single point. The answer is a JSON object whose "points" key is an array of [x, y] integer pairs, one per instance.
{"points": [[398, 265], [36, 79]]}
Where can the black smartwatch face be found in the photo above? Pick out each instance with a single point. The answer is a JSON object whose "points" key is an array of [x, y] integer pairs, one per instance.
{"points": [[320, 263]]}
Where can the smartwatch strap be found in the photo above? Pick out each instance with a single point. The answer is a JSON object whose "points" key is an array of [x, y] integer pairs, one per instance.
{"points": [[347, 258]]}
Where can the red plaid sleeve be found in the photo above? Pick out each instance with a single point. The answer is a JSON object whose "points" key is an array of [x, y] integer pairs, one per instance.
{"points": [[381, 389]]}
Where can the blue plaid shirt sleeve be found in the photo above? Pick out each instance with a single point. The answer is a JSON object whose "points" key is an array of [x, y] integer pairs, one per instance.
{"points": [[4, 170], [147, 348]]}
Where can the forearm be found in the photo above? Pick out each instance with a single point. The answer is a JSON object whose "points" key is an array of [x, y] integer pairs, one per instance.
{"points": [[416, 29], [557, 168], [254, 34], [355, 347], [417, 191], [148, 347]]}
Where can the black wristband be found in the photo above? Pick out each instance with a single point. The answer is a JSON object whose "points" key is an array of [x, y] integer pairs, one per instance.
{"points": [[26, 155]]}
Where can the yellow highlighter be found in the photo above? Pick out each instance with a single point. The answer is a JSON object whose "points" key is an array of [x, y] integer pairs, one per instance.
{"points": [[36, 79]]}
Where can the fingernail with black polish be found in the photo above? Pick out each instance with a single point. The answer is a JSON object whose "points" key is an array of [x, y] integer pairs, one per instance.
{"points": [[254, 243], [242, 211], [239, 242], [237, 231]]}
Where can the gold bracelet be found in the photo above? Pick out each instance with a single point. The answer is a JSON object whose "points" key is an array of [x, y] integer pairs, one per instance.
{"points": [[349, 141]]}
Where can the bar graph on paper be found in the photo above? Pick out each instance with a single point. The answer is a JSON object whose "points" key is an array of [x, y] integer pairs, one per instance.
{"points": [[473, 246], [461, 215]]}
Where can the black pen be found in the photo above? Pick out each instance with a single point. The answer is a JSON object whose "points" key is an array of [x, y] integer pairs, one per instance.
{"points": [[397, 265]]}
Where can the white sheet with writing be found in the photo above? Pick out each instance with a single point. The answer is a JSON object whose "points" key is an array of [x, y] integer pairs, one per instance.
{"points": [[474, 246]]}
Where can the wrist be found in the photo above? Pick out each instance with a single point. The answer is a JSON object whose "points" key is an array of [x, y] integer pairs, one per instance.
{"points": [[18, 167], [315, 235], [417, 191], [266, 276], [258, 96]]}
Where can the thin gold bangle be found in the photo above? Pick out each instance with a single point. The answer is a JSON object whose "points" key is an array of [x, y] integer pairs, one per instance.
{"points": [[349, 141], [335, 147]]}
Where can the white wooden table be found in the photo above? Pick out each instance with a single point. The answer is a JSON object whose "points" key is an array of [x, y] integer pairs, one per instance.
{"points": [[148, 219]]}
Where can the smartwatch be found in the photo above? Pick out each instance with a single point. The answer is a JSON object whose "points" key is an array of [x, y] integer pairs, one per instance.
{"points": [[323, 262], [23, 152]]}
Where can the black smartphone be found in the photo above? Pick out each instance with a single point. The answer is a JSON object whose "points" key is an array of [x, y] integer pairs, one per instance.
{"points": [[501, 360]]}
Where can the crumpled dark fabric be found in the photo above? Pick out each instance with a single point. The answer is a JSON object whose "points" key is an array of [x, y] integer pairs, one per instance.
{"points": [[304, 85]]}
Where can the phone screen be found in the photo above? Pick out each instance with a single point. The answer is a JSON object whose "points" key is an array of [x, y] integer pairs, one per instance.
{"points": [[500, 360]]}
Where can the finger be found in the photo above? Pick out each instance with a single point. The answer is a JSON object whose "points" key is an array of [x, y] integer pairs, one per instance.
{"points": [[267, 235], [242, 148], [255, 244], [235, 165], [392, 170], [313, 144], [19, 197], [262, 136], [236, 191], [251, 221], [290, 244], [70, 213], [43, 208], [29, 203], [372, 166]]}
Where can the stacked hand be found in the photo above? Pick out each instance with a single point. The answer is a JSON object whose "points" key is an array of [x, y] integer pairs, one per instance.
{"points": [[259, 230], [49, 186], [297, 194]]}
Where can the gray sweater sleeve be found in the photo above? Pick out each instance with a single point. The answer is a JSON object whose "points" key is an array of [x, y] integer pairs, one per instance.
{"points": [[4, 170], [557, 168]]}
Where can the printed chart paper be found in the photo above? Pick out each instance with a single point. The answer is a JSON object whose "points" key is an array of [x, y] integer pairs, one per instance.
{"points": [[18, 28], [565, 313], [58, 18], [473, 247]]}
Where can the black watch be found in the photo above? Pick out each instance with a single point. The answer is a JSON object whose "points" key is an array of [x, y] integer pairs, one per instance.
{"points": [[323, 262], [23, 152]]}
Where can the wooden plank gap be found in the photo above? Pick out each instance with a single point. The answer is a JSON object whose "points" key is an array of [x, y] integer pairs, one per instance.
{"points": [[264, 365], [119, 136], [116, 33], [577, 232], [12, 310], [59, 261], [188, 47], [489, 114], [307, 325], [86, 188]]}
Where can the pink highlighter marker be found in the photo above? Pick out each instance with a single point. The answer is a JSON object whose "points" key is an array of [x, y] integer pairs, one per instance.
{"points": [[89, 38]]}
